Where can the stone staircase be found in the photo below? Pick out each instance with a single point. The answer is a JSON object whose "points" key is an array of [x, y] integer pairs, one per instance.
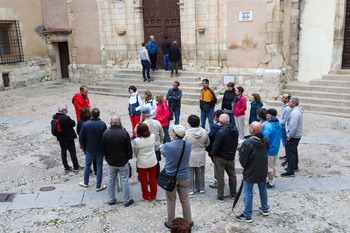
{"points": [[117, 84], [329, 95]]}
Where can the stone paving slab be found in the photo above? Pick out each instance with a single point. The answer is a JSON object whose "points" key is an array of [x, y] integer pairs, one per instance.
{"points": [[71, 198], [23, 201], [4, 206], [47, 199]]}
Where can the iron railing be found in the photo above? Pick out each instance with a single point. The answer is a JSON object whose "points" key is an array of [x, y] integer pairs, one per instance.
{"points": [[10, 42]]}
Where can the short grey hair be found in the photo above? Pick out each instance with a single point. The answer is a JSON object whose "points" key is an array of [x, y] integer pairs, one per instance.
{"points": [[174, 42], [295, 100], [115, 120], [224, 118], [146, 115], [62, 107]]}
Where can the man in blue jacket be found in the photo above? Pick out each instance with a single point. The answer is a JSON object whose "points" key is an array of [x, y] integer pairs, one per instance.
{"points": [[90, 139], [152, 49], [273, 132], [172, 153]]}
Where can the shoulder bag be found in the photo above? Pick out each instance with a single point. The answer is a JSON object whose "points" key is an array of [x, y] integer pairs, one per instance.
{"points": [[166, 181]]}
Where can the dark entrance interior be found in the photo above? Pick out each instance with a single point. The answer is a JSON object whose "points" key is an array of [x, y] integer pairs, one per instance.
{"points": [[162, 18], [64, 58], [346, 50]]}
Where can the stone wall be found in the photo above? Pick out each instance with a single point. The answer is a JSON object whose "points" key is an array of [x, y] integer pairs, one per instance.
{"points": [[26, 73]]}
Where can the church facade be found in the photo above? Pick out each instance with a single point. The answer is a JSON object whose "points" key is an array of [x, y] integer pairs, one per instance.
{"points": [[260, 44]]}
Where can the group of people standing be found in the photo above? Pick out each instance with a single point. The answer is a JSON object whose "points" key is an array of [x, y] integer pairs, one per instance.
{"points": [[150, 139], [149, 53]]}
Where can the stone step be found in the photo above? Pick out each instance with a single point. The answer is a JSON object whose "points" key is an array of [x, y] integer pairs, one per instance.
{"points": [[152, 86], [317, 94], [165, 77], [160, 72], [345, 77], [332, 83], [317, 88], [318, 108], [186, 99], [158, 82]]}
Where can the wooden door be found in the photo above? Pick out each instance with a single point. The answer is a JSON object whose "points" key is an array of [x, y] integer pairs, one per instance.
{"points": [[64, 58], [346, 49], [162, 18]]}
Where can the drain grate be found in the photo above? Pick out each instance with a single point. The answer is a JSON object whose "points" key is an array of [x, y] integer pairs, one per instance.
{"points": [[46, 189], [7, 197]]}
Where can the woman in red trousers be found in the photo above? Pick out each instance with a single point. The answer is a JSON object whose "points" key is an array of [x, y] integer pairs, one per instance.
{"points": [[143, 147]]}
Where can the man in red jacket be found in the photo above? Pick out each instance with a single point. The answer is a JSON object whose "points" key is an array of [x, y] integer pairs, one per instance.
{"points": [[81, 100]]}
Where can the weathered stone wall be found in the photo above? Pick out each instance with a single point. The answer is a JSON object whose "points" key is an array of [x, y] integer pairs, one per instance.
{"points": [[26, 73], [316, 39]]}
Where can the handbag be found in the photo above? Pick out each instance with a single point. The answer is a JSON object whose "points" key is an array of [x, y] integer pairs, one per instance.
{"points": [[166, 181]]}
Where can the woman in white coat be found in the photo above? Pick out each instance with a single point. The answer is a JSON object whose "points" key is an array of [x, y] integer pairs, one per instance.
{"points": [[151, 103], [200, 141]]}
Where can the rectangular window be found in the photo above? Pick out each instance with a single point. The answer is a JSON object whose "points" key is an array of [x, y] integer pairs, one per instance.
{"points": [[10, 42]]}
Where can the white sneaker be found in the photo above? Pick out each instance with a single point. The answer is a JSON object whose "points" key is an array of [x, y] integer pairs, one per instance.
{"points": [[102, 188], [191, 193], [83, 185]]}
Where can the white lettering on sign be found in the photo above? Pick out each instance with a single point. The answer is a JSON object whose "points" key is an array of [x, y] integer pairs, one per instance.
{"points": [[245, 16]]}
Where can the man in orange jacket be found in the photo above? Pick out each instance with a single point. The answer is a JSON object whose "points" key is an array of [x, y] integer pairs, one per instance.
{"points": [[81, 100]]}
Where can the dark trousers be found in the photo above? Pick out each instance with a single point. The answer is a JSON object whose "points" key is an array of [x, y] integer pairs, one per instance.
{"points": [[153, 61], [220, 166], [145, 67], [292, 154], [70, 146], [174, 66]]}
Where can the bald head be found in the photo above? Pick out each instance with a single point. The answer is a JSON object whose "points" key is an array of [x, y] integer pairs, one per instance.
{"points": [[255, 127], [115, 120], [224, 119]]}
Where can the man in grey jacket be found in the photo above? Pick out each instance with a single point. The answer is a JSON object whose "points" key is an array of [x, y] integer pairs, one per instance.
{"points": [[294, 130], [283, 118], [145, 62]]}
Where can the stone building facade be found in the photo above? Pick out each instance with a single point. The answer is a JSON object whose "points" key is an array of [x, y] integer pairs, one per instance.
{"points": [[23, 50], [261, 43]]}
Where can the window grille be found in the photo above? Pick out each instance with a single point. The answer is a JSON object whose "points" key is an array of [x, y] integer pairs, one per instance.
{"points": [[10, 42]]}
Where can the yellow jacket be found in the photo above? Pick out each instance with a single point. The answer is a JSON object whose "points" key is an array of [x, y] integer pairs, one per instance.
{"points": [[207, 95]]}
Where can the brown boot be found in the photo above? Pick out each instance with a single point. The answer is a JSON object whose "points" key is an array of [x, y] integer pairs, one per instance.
{"points": [[171, 75], [177, 75]]}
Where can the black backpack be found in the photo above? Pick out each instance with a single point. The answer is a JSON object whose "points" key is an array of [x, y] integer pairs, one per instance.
{"points": [[55, 127]]}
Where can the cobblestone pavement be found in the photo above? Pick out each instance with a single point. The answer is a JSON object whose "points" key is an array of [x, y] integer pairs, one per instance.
{"points": [[316, 200]]}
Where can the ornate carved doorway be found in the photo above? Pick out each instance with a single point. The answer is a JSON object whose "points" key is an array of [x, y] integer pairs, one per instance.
{"points": [[346, 50], [162, 18]]}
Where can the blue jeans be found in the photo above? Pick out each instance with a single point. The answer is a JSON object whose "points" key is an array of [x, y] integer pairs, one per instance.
{"points": [[99, 162], [284, 136], [292, 154], [166, 60], [232, 118], [208, 115], [248, 197], [177, 115], [124, 176], [145, 67]]}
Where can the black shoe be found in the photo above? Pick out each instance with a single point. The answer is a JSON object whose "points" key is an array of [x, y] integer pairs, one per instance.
{"points": [[129, 203], [242, 218], [284, 163], [67, 169], [283, 157], [111, 202], [144, 80], [192, 224], [287, 174], [79, 168]]}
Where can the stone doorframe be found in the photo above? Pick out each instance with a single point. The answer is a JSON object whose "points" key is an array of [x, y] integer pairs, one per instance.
{"points": [[338, 44]]}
